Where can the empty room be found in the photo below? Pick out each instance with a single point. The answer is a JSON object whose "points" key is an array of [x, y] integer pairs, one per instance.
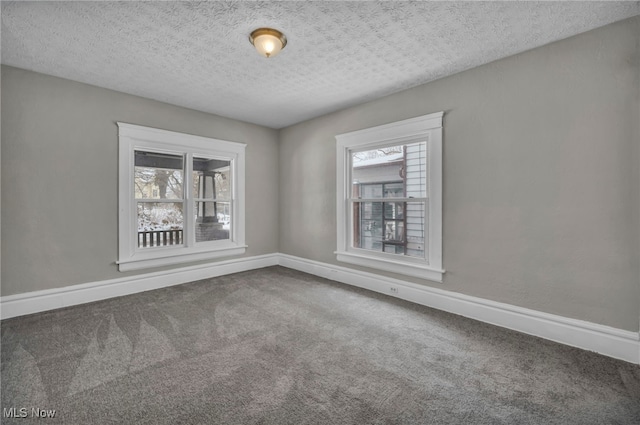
{"points": [[325, 212]]}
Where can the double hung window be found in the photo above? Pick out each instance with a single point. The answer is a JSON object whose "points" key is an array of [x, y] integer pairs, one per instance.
{"points": [[181, 197], [390, 197]]}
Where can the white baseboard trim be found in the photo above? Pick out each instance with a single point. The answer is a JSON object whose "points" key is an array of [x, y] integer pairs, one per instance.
{"points": [[612, 342], [50, 299]]}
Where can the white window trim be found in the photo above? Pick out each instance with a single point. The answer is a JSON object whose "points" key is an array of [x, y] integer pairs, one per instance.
{"points": [[397, 132], [135, 137]]}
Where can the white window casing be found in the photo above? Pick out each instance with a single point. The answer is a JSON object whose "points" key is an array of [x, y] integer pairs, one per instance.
{"points": [[134, 138], [424, 128]]}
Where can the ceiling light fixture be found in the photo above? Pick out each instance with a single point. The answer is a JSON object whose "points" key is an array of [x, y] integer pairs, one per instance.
{"points": [[267, 41]]}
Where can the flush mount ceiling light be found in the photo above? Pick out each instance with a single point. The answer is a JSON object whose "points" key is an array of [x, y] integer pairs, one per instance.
{"points": [[267, 41]]}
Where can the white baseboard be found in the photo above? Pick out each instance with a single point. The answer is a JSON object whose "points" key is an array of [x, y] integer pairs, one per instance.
{"points": [[50, 299], [612, 342]]}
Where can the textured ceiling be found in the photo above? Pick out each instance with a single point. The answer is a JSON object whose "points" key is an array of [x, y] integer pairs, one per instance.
{"points": [[197, 54]]}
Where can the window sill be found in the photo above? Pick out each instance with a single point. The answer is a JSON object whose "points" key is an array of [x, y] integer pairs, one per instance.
{"points": [[177, 258], [392, 265]]}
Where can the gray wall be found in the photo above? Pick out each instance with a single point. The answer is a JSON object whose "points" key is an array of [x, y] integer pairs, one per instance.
{"points": [[540, 177], [541, 184], [60, 174]]}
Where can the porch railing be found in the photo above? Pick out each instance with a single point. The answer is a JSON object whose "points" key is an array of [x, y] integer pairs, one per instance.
{"points": [[149, 238]]}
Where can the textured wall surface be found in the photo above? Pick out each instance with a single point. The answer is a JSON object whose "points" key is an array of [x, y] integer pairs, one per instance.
{"points": [[60, 174], [540, 177]]}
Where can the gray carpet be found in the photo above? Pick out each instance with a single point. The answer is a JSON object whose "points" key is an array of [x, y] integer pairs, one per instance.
{"points": [[275, 346]]}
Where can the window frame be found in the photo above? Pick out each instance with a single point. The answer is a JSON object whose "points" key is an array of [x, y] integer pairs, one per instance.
{"points": [[426, 127], [133, 138]]}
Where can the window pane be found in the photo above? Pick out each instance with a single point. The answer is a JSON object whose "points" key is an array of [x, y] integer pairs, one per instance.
{"points": [[213, 221], [390, 172], [401, 230], [373, 167], [158, 176], [211, 179], [415, 173], [159, 224], [367, 225], [387, 173], [415, 229]]}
